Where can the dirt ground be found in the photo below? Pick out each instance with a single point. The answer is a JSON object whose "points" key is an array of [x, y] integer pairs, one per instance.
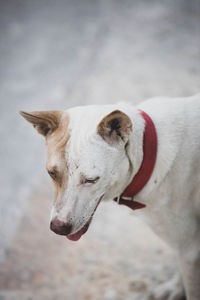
{"points": [[118, 258]]}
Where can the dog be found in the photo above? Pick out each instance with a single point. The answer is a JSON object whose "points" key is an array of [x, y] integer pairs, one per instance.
{"points": [[101, 152]]}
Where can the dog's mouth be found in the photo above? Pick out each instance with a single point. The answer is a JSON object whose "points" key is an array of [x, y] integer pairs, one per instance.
{"points": [[77, 235]]}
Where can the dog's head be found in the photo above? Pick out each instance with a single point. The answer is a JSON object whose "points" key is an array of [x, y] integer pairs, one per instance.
{"points": [[87, 159]]}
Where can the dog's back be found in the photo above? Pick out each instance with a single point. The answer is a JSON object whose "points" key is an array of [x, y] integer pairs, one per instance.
{"points": [[175, 199]]}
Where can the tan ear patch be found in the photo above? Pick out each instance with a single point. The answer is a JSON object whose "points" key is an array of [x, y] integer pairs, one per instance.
{"points": [[56, 160], [114, 127], [45, 122]]}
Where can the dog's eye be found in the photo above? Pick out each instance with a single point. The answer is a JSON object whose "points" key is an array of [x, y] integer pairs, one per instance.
{"points": [[91, 180], [53, 174]]}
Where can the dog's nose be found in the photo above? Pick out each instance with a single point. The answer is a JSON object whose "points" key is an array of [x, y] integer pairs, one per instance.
{"points": [[60, 227]]}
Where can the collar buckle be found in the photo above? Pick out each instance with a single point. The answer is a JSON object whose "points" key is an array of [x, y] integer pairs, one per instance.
{"points": [[131, 198]]}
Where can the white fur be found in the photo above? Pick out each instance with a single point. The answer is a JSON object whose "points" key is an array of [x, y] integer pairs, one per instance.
{"points": [[172, 195]]}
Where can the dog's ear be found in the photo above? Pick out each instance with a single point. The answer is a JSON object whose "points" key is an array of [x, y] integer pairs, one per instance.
{"points": [[44, 121], [114, 127]]}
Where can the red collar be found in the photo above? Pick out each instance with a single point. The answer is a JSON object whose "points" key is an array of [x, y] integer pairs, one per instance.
{"points": [[147, 166]]}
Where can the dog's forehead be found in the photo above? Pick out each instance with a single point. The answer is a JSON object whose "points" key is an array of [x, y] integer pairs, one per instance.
{"points": [[86, 118], [85, 142], [76, 135], [83, 152]]}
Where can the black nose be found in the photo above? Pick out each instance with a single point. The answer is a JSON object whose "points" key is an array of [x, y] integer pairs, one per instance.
{"points": [[60, 227]]}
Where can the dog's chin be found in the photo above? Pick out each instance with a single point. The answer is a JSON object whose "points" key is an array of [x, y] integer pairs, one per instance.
{"points": [[77, 235]]}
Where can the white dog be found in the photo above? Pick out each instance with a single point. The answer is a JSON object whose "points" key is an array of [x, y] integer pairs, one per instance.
{"points": [[95, 152]]}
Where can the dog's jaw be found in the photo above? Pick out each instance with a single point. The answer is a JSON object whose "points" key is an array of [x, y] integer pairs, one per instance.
{"points": [[77, 235]]}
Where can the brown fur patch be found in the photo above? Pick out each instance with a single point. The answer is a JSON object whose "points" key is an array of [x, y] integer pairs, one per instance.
{"points": [[45, 122], [56, 162], [115, 126]]}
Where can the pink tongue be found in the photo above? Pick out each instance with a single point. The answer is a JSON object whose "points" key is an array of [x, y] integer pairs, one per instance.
{"points": [[76, 236]]}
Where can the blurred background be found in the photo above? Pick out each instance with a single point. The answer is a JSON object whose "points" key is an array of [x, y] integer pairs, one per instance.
{"points": [[58, 54]]}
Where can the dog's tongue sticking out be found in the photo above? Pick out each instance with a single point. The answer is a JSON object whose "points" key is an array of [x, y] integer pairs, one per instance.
{"points": [[76, 236]]}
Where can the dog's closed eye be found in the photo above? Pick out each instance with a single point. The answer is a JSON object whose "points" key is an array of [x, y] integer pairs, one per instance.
{"points": [[89, 180], [53, 174]]}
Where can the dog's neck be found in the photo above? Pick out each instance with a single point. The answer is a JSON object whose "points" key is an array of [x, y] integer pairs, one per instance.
{"points": [[135, 145], [148, 161], [142, 176]]}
